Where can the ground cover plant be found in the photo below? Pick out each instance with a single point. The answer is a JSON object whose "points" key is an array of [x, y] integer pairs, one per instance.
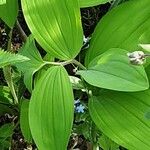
{"points": [[63, 87]]}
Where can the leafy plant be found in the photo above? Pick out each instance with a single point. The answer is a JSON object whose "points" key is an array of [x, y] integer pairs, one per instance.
{"points": [[116, 110]]}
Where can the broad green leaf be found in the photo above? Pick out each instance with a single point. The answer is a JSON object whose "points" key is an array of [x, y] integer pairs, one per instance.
{"points": [[123, 117], [107, 144], [7, 58], [5, 96], [24, 121], [51, 110], [122, 27], [56, 25], [112, 70], [33, 65], [90, 3], [9, 11], [2, 2]]}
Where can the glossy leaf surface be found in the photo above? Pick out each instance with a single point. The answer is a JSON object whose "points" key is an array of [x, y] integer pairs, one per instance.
{"points": [[57, 27], [2, 2], [9, 11], [51, 110], [112, 70], [124, 117], [90, 3], [122, 27]]}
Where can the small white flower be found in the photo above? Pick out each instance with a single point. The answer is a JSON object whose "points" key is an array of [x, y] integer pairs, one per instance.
{"points": [[86, 39], [137, 57]]}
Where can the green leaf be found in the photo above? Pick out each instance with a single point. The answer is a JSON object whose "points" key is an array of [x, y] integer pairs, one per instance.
{"points": [[57, 27], [5, 109], [24, 121], [107, 144], [122, 27], [51, 110], [7, 58], [9, 11], [112, 70], [2, 2], [5, 96], [33, 65], [4, 145], [122, 117], [145, 47], [6, 130], [90, 3]]}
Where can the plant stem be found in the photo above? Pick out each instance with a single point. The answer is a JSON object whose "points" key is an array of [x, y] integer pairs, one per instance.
{"points": [[78, 64], [8, 75], [8, 78], [58, 63], [22, 33], [95, 147], [94, 136], [66, 63], [115, 3]]}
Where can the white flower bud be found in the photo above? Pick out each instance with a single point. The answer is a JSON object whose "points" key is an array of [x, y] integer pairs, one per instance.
{"points": [[136, 57]]}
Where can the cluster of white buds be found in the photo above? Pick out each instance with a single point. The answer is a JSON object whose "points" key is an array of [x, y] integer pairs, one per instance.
{"points": [[137, 57]]}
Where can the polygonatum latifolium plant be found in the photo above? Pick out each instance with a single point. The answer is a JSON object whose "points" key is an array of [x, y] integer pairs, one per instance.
{"points": [[112, 94]]}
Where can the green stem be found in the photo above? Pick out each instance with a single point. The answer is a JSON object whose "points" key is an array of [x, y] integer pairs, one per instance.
{"points": [[58, 63], [8, 75], [78, 64], [95, 147], [8, 78], [22, 33], [66, 63], [115, 3], [94, 136]]}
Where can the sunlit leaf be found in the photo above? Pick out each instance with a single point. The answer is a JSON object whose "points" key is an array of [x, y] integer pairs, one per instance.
{"points": [[113, 70], [56, 25], [122, 117], [89, 3], [51, 110], [2, 2], [122, 27]]}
